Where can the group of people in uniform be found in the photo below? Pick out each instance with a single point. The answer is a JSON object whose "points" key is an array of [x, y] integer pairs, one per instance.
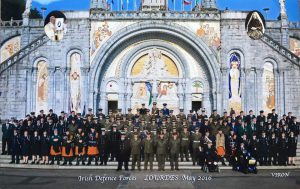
{"points": [[150, 135]]}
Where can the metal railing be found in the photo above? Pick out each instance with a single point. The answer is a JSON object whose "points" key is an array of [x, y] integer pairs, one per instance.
{"points": [[23, 52], [281, 49]]}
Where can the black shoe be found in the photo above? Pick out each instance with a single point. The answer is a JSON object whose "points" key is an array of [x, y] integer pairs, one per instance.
{"points": [[224, 164], [181, 159], [96, 163], [77, 163], [70, 163], [88, 164], [126, 169], [12, 162], [33, 162], [187, 159], [119, 170], [194, 163], [51, 163], [83, 163], [58, 163], [105, 163], [65, 163], [177, 169], [101, 163]]}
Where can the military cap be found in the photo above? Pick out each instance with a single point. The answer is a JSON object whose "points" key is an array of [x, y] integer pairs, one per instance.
{"points": [[95, 118], [164, 127], [214, 110], [203, 110], [50, 110], [165, 104], [107, 117], [174, 128], [261, 111], [154, 103], [197, 128], [143, 104], [181, 110], [84, 119], [62, 112], [129, 109], [135, 133], [118, 118], [284, 115], [174, 120], [100, 109], [250, 111], [123, 133], [185, 126], [206, 119], [32, 113], [114, 125], [41, 110], [142, 119], [90, 109], [102, 129], [273, 110], [153, 119]]}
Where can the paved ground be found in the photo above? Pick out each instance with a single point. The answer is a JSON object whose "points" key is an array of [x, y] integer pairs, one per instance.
{"points": [[49, 179]]}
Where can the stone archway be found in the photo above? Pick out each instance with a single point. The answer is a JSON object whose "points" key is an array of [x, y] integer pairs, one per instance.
{"points": [[154, 30]]}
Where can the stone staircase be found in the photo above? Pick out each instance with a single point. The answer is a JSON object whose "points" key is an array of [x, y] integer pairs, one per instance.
{"points": [[281, 49], [23, 52], [5, 159]]}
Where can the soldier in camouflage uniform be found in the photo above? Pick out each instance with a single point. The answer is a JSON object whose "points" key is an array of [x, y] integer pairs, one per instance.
{"points": [[161, 146], [184, 145], [136, 152], [174, 146], [148, 145]]}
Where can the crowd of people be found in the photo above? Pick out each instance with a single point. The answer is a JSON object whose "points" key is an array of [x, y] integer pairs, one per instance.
{"points": [[150, 135]]}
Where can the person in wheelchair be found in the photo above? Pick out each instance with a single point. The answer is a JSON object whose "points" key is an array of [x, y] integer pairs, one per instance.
{"points": [[245, 162], [211, 158]]}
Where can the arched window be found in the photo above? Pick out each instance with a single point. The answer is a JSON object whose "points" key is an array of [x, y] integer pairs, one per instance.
{"points": [[75, 82], [268, 88], [235, 101], [42, 86]]}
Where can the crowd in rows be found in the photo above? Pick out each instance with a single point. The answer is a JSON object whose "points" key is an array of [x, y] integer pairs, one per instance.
{"points": [[148, 135]]}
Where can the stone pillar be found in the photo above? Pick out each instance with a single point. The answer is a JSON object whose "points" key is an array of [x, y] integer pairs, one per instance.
{"points": [[103, 102], [188, 96], [244, 88], [225, 88], [84, 87], [128, 93], [33, 87], [66, 100], [51, 88], [207, 103], [277, 92], [259, 90], [180, 93], [28, 89]]}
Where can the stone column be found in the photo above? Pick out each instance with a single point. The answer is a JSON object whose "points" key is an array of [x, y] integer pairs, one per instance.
{"points": [[180, 94], [277, 82], [84, 87], [244, 88], [224, 88], [33, 88], [51, 88], [259, 90], [129, 93], [103, 102], [188, 96], [28, 89], [66, 100], [206, 102]]}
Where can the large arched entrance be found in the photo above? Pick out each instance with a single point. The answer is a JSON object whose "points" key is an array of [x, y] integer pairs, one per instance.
{"points": [[176, 64]]}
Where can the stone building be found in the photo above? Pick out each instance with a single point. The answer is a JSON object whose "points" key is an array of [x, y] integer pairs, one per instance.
{"points": [[120, 59]]}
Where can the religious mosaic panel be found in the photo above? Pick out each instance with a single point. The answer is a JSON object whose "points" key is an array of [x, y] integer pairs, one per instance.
{"points": [[156, 65], [295, 46], [268, 88], [235, 101], [101, 32], [42, 86], [10, 47], [75, 79]]}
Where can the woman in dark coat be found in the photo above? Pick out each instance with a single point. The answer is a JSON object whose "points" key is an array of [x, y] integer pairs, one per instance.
{"points": [[282, 150], [292, 147], [45, 148], [25, 147], [35, 147]]}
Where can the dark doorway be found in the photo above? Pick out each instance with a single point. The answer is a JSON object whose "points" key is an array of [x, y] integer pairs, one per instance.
{"points": [[113, 105], [196, 105]]}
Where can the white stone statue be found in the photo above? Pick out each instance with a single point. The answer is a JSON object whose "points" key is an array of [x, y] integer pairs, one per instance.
{"points": [[28, 7], [282, 7]]}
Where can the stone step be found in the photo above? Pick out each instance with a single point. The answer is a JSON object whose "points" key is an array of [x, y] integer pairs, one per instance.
{"points": [[110, 167]]}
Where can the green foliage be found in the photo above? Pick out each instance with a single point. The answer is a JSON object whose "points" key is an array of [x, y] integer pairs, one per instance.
{"points": [[12, 9], [35, 14]]}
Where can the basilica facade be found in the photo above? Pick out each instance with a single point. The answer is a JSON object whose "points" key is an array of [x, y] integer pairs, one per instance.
{"points": [[121, 59]]}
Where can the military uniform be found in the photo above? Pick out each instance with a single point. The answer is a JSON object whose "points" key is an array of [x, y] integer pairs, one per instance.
{"points": [[174, 146], [136, 152], [184, 144], [114, 139], [80, 147], [196, 139], [148, 145], [161, 152]]}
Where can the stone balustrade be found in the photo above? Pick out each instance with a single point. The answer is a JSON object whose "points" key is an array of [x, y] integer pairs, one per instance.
{"points": [[11, 23]]}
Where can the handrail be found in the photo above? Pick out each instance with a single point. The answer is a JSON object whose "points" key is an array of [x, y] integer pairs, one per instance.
{"points": [[23, 52], [281, 49]]}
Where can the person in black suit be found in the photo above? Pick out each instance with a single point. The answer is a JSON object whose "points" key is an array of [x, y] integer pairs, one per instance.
{"points": [[123, 152]]}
